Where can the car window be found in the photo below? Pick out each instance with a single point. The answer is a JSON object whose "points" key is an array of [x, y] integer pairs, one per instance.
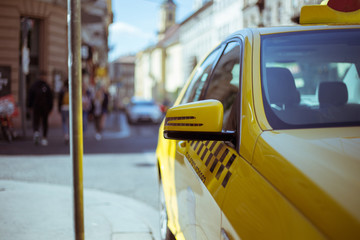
{"points": [[143, 103], [198, 81], [311, 79], [224, 83]]}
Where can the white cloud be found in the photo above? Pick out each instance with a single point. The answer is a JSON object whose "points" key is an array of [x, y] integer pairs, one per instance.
{"points": [[125, 38], [120, 28]]}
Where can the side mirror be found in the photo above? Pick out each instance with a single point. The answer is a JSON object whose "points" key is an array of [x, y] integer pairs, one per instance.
{"points": [[196, 121]]}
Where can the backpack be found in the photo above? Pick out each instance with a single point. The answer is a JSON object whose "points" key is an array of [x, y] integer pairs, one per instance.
{"points": [[43, 97], [65, 99]]}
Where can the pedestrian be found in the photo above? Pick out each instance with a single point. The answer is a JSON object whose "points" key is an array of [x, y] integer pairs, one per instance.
{"points": [[86, 106], [63, 108], [97, 112], [105, 105], [41, 102]]}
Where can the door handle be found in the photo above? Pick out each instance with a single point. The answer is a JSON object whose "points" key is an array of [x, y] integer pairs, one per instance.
{"points": [[181, 147], [224, 235]]}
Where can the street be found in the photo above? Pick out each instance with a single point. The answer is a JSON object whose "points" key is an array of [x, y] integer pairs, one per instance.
{"points": [[118, 137], [122, 163]]}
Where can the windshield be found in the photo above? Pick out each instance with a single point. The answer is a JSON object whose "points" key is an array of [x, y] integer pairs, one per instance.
{"points": [[311, 79]]}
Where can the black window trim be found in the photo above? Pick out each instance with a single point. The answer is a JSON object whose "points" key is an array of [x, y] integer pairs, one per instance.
{"points": [[240, 40], [204, 90], [221, 50]]}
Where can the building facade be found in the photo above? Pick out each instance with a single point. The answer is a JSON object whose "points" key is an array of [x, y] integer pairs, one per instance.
{"points": [[206, 28], [121, 73], [164, 68], [33, 38], [158, 69], [196, 37], [96, 16], [267, 13]]}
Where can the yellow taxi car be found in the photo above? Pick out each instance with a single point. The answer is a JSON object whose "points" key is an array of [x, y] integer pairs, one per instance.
{"points": [[264, 140]]}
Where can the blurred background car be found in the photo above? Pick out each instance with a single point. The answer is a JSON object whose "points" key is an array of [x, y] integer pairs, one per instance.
{"points": [[142, 110]]}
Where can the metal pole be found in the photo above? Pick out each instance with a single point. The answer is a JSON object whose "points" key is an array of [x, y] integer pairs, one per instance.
{"points": [[22, 91], [23, 102], [76, 130]]}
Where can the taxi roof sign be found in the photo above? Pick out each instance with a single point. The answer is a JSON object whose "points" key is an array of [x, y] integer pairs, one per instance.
{"points": [[344, 5], [326, 14]]}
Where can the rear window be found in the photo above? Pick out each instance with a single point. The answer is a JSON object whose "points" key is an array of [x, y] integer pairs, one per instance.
{"points": [[143, 103], [311, 79]]}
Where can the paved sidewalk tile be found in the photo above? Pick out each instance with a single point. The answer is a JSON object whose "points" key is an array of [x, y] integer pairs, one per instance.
{"points": [[42, 212]]}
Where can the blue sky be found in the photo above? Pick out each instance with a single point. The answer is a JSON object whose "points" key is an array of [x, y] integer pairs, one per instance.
{"points": [[136, 22]]}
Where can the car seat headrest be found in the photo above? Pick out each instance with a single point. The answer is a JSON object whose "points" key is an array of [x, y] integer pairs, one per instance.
{"points": [[332, 94], [281, 86]]}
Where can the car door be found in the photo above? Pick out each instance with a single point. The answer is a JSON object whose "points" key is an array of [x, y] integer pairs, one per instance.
{"points": [[205, 164], [252, 208], [186, 183]]}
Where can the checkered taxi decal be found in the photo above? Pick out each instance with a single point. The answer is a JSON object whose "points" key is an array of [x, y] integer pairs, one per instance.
{"points": [[214, 153]]}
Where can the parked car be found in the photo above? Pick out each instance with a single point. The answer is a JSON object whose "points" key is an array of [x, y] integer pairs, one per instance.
{"points": [[263, 142], [140, 110]]}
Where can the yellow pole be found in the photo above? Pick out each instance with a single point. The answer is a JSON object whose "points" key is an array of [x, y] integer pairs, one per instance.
{"points": [[76, 133]]}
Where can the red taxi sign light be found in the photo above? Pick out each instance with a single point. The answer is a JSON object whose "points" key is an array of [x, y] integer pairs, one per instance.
{"points": [[344, 5], [335, 12]]}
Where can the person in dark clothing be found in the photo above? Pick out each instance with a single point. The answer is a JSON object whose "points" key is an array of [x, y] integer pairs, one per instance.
{"points": [[41, 102], [104, 106], [63, 107]]}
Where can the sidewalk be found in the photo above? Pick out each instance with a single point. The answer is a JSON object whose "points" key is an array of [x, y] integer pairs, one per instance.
{"points": [[42, 212], [37, 211]]}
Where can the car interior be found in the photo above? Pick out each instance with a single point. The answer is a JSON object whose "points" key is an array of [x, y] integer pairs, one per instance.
{"points": [[313, 81], [285, 100]]}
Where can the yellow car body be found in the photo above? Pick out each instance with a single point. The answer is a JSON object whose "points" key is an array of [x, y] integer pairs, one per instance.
{"points": [[266, 183]]}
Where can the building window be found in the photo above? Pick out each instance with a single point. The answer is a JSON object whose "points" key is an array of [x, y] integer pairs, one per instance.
{"points": [[268, 17], [253, 21], [279, 12], [295, 3], [30, 35]]}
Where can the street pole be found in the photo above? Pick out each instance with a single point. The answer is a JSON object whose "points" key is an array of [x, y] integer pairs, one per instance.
{"points": [[23, 73], [76, 130], [23, 102]]}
